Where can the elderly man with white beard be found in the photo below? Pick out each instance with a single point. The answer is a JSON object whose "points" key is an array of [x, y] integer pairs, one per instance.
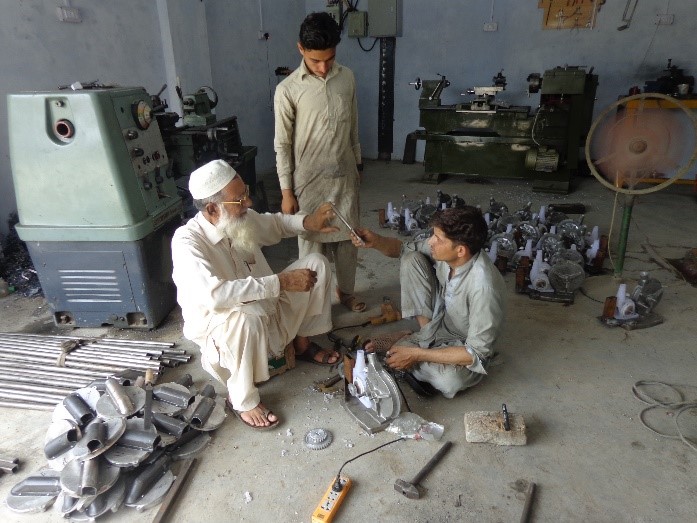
{"points": [[235, 308]]}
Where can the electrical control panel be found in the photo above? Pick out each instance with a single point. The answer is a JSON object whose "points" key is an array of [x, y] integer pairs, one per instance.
{"points": [[384, 18]]}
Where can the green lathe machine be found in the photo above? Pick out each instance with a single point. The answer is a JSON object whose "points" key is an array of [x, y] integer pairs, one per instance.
{"points": [[488, 138], [96, 173]]}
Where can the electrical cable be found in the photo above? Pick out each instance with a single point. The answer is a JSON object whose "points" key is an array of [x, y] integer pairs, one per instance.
{"points": [[371, 47], [680, 407], [363, 454]]}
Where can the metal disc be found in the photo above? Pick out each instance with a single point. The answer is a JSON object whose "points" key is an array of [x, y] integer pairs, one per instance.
{"points": [[114, 428], [55, 429], [72, 475], [155, 495], [107, 410], [192, 448], [214, 421], [127, 457], [90, 395], [33, 504], [110, 500]]}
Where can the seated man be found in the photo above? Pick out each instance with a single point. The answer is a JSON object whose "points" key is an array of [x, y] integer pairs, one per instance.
{"points": [[456, 295], [234, 307]]}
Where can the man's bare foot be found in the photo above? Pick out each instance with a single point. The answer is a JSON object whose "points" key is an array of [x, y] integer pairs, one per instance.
{"points": [[259, 416], [350, 301], [307, 350]]}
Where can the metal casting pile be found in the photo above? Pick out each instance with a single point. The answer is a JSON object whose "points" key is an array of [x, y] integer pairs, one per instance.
{"points": [[16, 266], [38, 371], [112, 444], [558, 250]]}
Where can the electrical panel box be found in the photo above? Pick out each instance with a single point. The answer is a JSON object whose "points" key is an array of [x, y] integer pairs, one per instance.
{"points": [[334, 10], [385, 18], [357, 24]]}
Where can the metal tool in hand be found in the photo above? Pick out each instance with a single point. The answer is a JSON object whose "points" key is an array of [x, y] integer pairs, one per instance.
{"points": [[351, 230], [411, 489]]}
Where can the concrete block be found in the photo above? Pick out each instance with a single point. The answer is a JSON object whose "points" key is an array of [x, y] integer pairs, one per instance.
{"points": [[487, 427]]}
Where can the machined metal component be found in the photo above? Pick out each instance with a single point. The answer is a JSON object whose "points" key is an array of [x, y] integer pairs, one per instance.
{"points": [[146, 479], [78, 409], [205, 413], [110, 500], [192, 447], [318, 439], [45, 486], [118, 396], [384, 395], [155, 494], [134, 445], [177, 395], [9, 465], [61, 443], [88, 397], [566, 276], [100, 439], [647, 294], [107, 409], [168, 424], [88, 478]]}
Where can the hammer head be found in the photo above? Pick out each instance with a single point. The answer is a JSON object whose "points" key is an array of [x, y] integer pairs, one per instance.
{"points": [[408, 489]]}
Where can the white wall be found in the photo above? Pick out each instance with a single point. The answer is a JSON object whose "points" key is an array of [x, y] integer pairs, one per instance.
{"points": [[214, 42]]}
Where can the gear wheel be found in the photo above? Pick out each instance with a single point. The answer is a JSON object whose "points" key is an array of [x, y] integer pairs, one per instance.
{"points": [[318, 439]]}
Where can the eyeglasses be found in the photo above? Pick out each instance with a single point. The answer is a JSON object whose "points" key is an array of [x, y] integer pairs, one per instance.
{"points": [[240, 201]]}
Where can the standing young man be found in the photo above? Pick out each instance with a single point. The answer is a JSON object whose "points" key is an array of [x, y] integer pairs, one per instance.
{"points": [[318, 155]]}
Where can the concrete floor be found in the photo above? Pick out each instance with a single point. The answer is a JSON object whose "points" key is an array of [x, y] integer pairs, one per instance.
{"points": [[569, 376]]}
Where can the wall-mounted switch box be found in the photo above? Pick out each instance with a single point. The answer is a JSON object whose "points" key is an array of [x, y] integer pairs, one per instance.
{"points": [[357, 24], [665, 19], [68, 14], [384, 18]]}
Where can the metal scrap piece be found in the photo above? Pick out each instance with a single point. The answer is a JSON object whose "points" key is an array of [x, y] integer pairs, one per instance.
{"points": [[26, 503], [156, 494], [114, 430], [110, 500], [134, 445], [88, 478], [107, 409], [215, 418], [89, 395], [192, 448]]}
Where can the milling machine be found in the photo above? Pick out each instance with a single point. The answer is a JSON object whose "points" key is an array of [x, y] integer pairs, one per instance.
{"points": [[486, 137]]}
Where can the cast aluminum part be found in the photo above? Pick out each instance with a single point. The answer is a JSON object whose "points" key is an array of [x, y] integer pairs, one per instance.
{"points": [[318, 439], [191, 448], [106, 408], [88, 478], [110, 500], [86, 449], [205, 414], [566, 276], [647, 294], [178, 395], [382, 390], [155, 495], [44, 484], [133, 446]]}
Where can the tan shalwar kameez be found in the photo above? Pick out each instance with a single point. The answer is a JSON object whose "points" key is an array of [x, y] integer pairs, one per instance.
{"points": [[317, 150]]}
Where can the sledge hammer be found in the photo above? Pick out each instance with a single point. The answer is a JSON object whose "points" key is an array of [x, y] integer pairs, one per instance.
{"points": [[411, 490]]}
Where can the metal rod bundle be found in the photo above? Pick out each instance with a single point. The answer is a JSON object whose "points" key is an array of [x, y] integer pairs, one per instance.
{"points": [[37, 371]]}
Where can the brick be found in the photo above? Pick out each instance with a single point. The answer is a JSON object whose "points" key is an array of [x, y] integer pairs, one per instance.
{"points": [[487, 427]]}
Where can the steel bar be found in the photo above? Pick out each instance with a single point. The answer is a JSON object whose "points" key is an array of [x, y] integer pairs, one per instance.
{"points": [[80, 354], [35, 378], [29, 405], [93, 346], [51, 399], [78, 363], [34, 388], [116, 340], [53, 370]]}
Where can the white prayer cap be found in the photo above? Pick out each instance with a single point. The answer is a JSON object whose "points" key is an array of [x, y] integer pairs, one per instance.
{"points": [[208, 179]]}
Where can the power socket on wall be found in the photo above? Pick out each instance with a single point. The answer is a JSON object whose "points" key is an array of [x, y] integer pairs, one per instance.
{"points": [[491, 26]]}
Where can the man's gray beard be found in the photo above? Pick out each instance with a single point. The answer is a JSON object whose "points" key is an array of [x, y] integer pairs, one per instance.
{"points": [[241, 231]]}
